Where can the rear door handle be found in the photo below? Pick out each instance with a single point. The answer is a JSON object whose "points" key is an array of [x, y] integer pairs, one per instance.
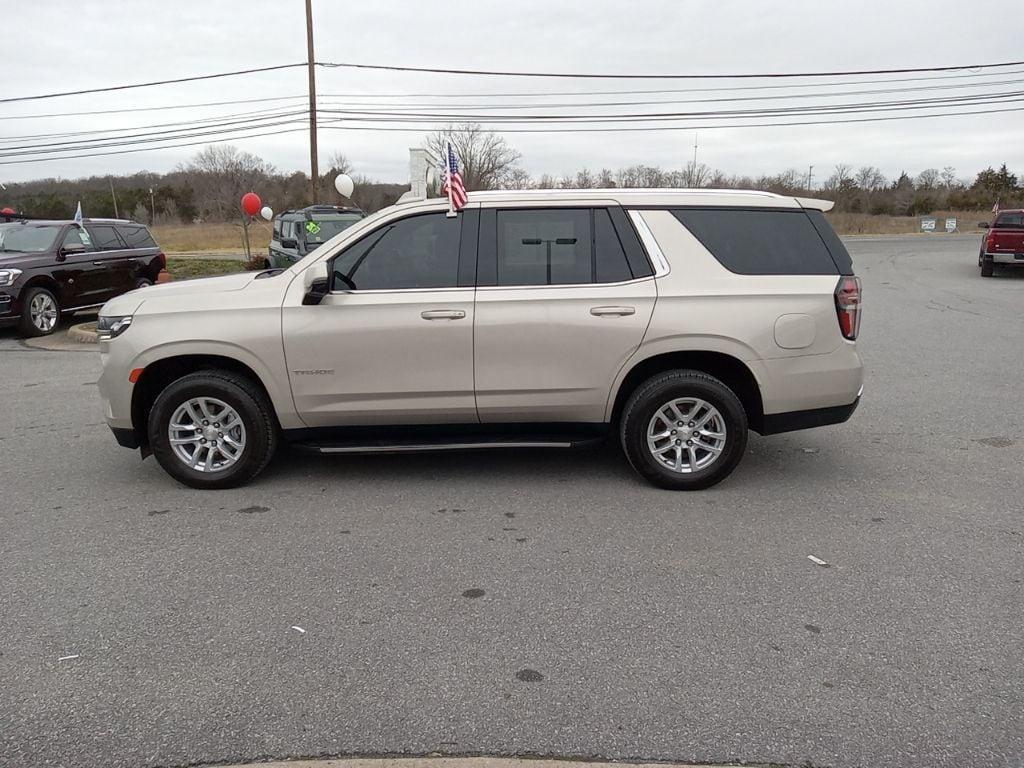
{"points": [[443, 314], [612, 311]]}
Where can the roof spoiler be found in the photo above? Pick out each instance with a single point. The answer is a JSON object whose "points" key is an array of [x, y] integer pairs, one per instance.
{"points": [[815, 204]]}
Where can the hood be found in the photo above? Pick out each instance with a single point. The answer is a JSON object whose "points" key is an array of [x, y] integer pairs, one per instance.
{"points": [[127, 303], [13, 258]]}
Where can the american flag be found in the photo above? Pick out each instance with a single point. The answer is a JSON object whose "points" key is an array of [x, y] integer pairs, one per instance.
{"points": [[451, 182]]}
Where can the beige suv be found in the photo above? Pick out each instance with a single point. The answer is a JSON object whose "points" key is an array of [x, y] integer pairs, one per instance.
{"points": [[676, 319]]}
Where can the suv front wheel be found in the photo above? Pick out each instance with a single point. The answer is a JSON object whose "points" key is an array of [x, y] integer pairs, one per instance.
{"points": [[212, 429], [40, 312], [684, 430]]}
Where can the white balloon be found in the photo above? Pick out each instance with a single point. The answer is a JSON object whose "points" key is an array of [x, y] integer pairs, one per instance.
{"points": [[344, 184], [267, 212]]}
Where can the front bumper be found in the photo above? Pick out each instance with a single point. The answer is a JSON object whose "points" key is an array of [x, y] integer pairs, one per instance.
{"points": [[8, 308]]}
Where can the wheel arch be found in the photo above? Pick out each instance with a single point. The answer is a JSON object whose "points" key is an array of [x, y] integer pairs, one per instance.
{"points": [[157, 374], [729, 369], [42, 281]]}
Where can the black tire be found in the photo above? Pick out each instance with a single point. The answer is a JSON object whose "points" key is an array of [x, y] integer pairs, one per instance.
{"points": [[653, 395], [986, 267], [26, 325], [245, 397], [143, 282]]}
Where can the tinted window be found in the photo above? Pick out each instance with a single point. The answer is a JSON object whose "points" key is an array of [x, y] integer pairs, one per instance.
{"points": [[544, 247], [136, 236], [835, 246], [277, 229], [105, 237], [318, 231], [610, 265], [76, 236], [760, 242], [418, 252], [1009, 221]]}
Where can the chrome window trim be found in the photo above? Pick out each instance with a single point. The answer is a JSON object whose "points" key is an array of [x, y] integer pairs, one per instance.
{"points": [[661, 265], [564, 285]]}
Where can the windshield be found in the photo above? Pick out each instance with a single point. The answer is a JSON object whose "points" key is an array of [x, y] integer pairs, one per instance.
{"points": [[28, 238], [1009, 221], [317, 231]]}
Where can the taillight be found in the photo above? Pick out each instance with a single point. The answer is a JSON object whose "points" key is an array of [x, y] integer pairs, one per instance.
{"points": [[848, 299], [990, 241], [163, 259]]}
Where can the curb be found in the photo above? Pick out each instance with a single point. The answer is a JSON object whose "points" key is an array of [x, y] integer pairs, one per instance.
{"points": [[473, 762], [84, 333]]}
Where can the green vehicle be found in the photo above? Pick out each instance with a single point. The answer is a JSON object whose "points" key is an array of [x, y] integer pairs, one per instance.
{"points": [[297, 233]]}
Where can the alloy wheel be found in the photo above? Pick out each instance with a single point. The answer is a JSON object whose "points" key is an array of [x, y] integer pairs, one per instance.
{"points": [[686, 435]]}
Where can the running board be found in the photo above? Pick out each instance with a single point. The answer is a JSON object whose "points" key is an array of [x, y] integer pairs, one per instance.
{"points": [[443, 438], [419, 447]]}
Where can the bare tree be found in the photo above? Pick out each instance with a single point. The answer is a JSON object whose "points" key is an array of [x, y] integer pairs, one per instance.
{"points": [[220, 174], [485, 158], [840, 178], [948, 177], [518, 178], [927, 179], [695, 175], [870, 178], [338, 162]]}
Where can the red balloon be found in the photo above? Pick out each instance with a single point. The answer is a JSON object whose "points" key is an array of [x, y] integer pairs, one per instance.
{"points": [[7, 210], [251, 203]]}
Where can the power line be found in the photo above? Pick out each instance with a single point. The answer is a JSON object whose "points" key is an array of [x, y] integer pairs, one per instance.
{"points": [[191, 79], [149, 109], [642, 129], [630, 76]]}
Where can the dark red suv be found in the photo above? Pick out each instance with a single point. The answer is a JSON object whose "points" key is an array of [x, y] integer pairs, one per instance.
{"points": [[50, 268]]}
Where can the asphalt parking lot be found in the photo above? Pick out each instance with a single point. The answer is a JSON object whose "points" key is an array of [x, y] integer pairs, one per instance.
{"points": [[542, 603]]}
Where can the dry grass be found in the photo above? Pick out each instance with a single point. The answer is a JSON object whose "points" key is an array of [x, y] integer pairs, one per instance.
{"points": [[866, 224], [186, 269], [185, 238]]}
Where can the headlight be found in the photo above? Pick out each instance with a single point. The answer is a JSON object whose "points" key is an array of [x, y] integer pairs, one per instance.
{"points": [[8, 276], [112, 326]]}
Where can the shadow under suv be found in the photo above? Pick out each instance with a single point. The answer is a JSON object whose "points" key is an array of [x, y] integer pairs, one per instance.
{"points": [[54, 268]]}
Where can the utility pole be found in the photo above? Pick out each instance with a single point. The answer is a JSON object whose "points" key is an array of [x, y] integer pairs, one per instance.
{"points": [[314, 173], [810, 176], [114, 196], [152, 207], [694, 152]]}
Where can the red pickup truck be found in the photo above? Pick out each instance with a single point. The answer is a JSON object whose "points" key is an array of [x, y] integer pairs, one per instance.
{"points": [[1003, 243]]}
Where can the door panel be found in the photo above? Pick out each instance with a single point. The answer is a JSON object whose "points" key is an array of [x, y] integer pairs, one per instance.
{"points": [[112, 264], [390, 357], [80, 280], [551, 353], [396, 347]]}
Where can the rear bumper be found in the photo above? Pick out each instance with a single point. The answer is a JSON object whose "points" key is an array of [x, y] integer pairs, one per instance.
{"points": [[1004, 258], [774, 423]]}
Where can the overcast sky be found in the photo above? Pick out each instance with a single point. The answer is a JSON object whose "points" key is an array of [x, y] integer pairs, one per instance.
{"points": [[58, 45]]}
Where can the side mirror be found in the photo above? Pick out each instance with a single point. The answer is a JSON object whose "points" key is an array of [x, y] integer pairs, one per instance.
{"points": [[293, 244], [983, 224], [318, 289], [72, 248]]}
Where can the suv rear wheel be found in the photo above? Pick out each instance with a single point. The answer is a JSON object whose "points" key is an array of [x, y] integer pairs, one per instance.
{"points": [[40, 313], [212, 429], [684, 430]]}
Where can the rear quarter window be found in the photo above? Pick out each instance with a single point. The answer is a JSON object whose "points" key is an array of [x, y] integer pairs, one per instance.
{"points": [[759, 241], [136, 236], [105, 237]]}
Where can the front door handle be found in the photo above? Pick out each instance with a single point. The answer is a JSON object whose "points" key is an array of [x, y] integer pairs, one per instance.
{"points": [[443, 314], [612, 311], [99, 263]]}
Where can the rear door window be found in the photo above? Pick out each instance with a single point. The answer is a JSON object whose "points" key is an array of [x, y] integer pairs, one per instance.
{"points": [[760, 242], [136, 236], [105, 237]]}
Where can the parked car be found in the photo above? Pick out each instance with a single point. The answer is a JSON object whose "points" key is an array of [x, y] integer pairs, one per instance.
{"points": [[675, 320], [50, 269], [1004, 242], [297, 233]]}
